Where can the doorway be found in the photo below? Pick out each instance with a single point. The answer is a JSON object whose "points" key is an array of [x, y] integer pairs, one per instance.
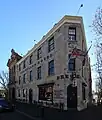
{"points": [[71, 96], [13, 94]]}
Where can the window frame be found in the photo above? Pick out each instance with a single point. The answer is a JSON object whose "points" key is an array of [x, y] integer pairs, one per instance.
{"points": [[51, 44], [72, 35], [51, 66]]}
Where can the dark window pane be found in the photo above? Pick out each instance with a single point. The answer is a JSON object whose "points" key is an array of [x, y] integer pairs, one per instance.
{"points": [[39, 53], [51, 44], [19, 67], [71, 64], [31, 77], [30, 61], [39, 73], [72, 33], [19, 79], [46, 92], [51, 67], [24, 78], [24, 64], [83, 92]]}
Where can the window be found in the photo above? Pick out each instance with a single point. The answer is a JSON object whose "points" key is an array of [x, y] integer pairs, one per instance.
{"points": [[39, 53], [51, 67], [24, 64], [71, 64], [24, 93], [19, 80], [19, 93], [39, 73], [14, 68], [72, 33], [24, 75], [51, 44], [31, 59], [13, 78], [19, 67], [46, 92], [31, 76], [83, 91]]}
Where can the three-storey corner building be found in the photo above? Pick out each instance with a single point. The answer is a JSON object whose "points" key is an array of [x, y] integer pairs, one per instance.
{"points": [[48, 74]]}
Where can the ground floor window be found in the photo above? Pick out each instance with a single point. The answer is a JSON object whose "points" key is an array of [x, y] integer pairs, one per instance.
{"points": [[24, 92], [46, 92], [19, 93]]}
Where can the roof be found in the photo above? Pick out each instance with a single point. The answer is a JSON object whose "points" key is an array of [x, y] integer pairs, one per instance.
{"points": [[66, 18]]}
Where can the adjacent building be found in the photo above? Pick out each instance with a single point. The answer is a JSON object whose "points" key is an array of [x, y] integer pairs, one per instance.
{"points": [[49, 74], [15, 57]]}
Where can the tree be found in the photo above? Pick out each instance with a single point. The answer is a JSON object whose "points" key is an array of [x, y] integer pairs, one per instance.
{"points": [[97, 23], [4, 79], [97, 28]]}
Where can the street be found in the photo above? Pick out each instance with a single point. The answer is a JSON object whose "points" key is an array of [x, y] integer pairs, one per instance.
{"points": [[93, 113], [15, 116]]}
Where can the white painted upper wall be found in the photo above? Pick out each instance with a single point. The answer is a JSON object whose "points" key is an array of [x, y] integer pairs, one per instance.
{"points": [[65, 19]]}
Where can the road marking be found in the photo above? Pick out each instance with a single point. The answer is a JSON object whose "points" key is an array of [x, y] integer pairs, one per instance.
{"points": [[27, 115]]}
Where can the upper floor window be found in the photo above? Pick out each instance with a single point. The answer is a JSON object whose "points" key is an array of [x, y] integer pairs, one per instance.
{"points": [[24, 77], [24, 65], [39, 53], [51, 44], [19, 67], [31, 75], [71, 63], [39, 73], [31, 59], [51, 67], [19, 80], [72, 33]]}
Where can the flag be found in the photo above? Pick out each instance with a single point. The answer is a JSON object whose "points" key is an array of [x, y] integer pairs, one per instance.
{"points": [[77, 52], [83, 62]]}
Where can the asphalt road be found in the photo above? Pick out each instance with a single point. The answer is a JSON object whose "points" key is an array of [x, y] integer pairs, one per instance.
{"points": [[15, 116]]}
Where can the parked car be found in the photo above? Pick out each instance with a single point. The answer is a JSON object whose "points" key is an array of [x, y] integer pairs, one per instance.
{"points": [[6, 105]]}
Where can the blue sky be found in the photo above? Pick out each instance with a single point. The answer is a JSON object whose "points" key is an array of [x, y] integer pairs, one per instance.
{"points": [[23, 21]]}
